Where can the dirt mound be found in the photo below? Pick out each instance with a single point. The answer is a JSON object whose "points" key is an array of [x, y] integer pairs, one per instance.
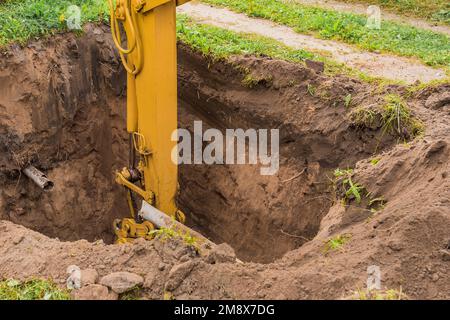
{"points": [[67, 118]]}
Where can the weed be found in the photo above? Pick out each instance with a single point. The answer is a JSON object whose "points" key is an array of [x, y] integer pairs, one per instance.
{"points": [[311, 90], [374, 161], [169, 233], [348, 100], [352, 190], [336, 243], [397, 118], [35, 289], [363, 117]]}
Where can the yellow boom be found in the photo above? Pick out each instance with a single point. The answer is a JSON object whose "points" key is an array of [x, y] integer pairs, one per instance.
{"points": [[150, 59]]}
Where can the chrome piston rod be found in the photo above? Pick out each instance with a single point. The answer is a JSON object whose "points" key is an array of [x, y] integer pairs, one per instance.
{"points": [[162, 220], [39, 178]]}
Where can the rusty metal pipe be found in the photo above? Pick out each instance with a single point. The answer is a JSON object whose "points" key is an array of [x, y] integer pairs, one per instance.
{"points": [[39, 178]]}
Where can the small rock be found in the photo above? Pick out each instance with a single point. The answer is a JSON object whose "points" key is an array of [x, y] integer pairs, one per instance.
{"points": [[445, 255], [88, 276], [121, 282], [18, 239], [435, 277], [94, 292], [161, 266], [74, 279], [185, 258], [221, 254], [395, 246], [178, 273], [317, 66]]}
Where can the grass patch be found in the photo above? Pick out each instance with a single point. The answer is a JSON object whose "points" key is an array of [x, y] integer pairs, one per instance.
{"points": [[352, 190], [169, 233], [434, 10], [397, 118], [393, 117], [362, 117], [32, 290], [220, 44], [336, 243], [431, 47], [23, 20]]}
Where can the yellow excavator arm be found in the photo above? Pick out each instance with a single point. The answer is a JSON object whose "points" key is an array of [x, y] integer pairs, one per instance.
{"points": [[150, 59]]}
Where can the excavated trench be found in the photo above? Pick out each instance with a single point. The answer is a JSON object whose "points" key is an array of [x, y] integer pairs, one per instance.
{"points": [[62, 109]]}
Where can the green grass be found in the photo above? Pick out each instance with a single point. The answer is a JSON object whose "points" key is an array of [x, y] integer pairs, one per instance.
{"points": [[434, 10], [336, 243], [393, 117], [431, 47], [397, 118], [31, 290], [23, 20], [220, 43], [352, 189]]}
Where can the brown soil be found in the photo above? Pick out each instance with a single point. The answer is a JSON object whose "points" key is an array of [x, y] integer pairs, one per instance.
{"points": [[65, 115]]}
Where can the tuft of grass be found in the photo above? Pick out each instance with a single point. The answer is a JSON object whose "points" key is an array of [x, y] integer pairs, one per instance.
{"points": [[336, 243], [397, 118], [390, 294], [36, 289], [394, 117], [348, 100], [251, 81], [169, 233], [351, 189], [363, 117], [374, 161], [23, 20], [431, 47], [311, 90]]}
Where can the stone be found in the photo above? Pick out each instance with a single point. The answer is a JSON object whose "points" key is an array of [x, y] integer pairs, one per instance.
{"points": [[161, 266], [221, 254], [74, 279], [121, 282], [178, 273], [445, 255], [89, 276], [94, 292]]}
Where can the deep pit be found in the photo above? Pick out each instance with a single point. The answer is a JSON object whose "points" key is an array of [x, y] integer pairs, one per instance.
{"points": [[62, 109]]}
